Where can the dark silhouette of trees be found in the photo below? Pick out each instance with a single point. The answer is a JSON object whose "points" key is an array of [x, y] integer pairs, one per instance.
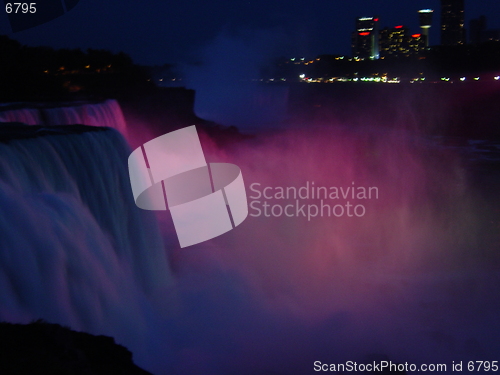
{"points": [[41, 73]]}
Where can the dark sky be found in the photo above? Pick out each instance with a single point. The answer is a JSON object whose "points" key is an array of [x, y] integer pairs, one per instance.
{"points": [[171, 31]]}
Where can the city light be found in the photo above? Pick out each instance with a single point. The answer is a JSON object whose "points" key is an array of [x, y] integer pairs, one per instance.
{"points": [[370, 43]]}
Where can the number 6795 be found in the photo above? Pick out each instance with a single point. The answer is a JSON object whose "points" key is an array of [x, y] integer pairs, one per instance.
{"points": [[20, 7]]}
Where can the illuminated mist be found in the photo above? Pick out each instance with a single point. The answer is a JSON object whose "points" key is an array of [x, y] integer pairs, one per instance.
{"points": [[411, 280], [226, 80]]}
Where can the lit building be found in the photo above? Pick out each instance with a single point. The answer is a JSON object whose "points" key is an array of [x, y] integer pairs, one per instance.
{"points": [[479, 32], [425, 19], [493, 34], [397, 42], [365, 38], [416, 44], [452, 22]]}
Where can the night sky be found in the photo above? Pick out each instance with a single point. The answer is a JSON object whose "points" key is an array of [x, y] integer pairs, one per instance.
{"points": [[158, 32]]}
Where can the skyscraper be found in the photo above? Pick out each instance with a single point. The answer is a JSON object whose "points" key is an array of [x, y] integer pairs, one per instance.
{"points": [[452, 22], [425, 18], [477, 30], [397, 42], [365, 38]]}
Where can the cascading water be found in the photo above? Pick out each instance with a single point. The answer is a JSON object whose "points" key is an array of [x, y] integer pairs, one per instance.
{"points": [[74, 249], [107, 113], [26, 116], [103, 114]]}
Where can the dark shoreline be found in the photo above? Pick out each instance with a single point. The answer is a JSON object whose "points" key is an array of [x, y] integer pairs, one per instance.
{"points": [[44, 348]]}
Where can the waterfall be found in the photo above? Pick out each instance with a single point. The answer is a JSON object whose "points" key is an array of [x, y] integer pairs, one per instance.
{"points": [[107, 113], [74, 248], [28, 116]]}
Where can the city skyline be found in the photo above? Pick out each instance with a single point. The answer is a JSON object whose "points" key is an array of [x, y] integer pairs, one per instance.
{"points": [[158, 33], [370, 41]]}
